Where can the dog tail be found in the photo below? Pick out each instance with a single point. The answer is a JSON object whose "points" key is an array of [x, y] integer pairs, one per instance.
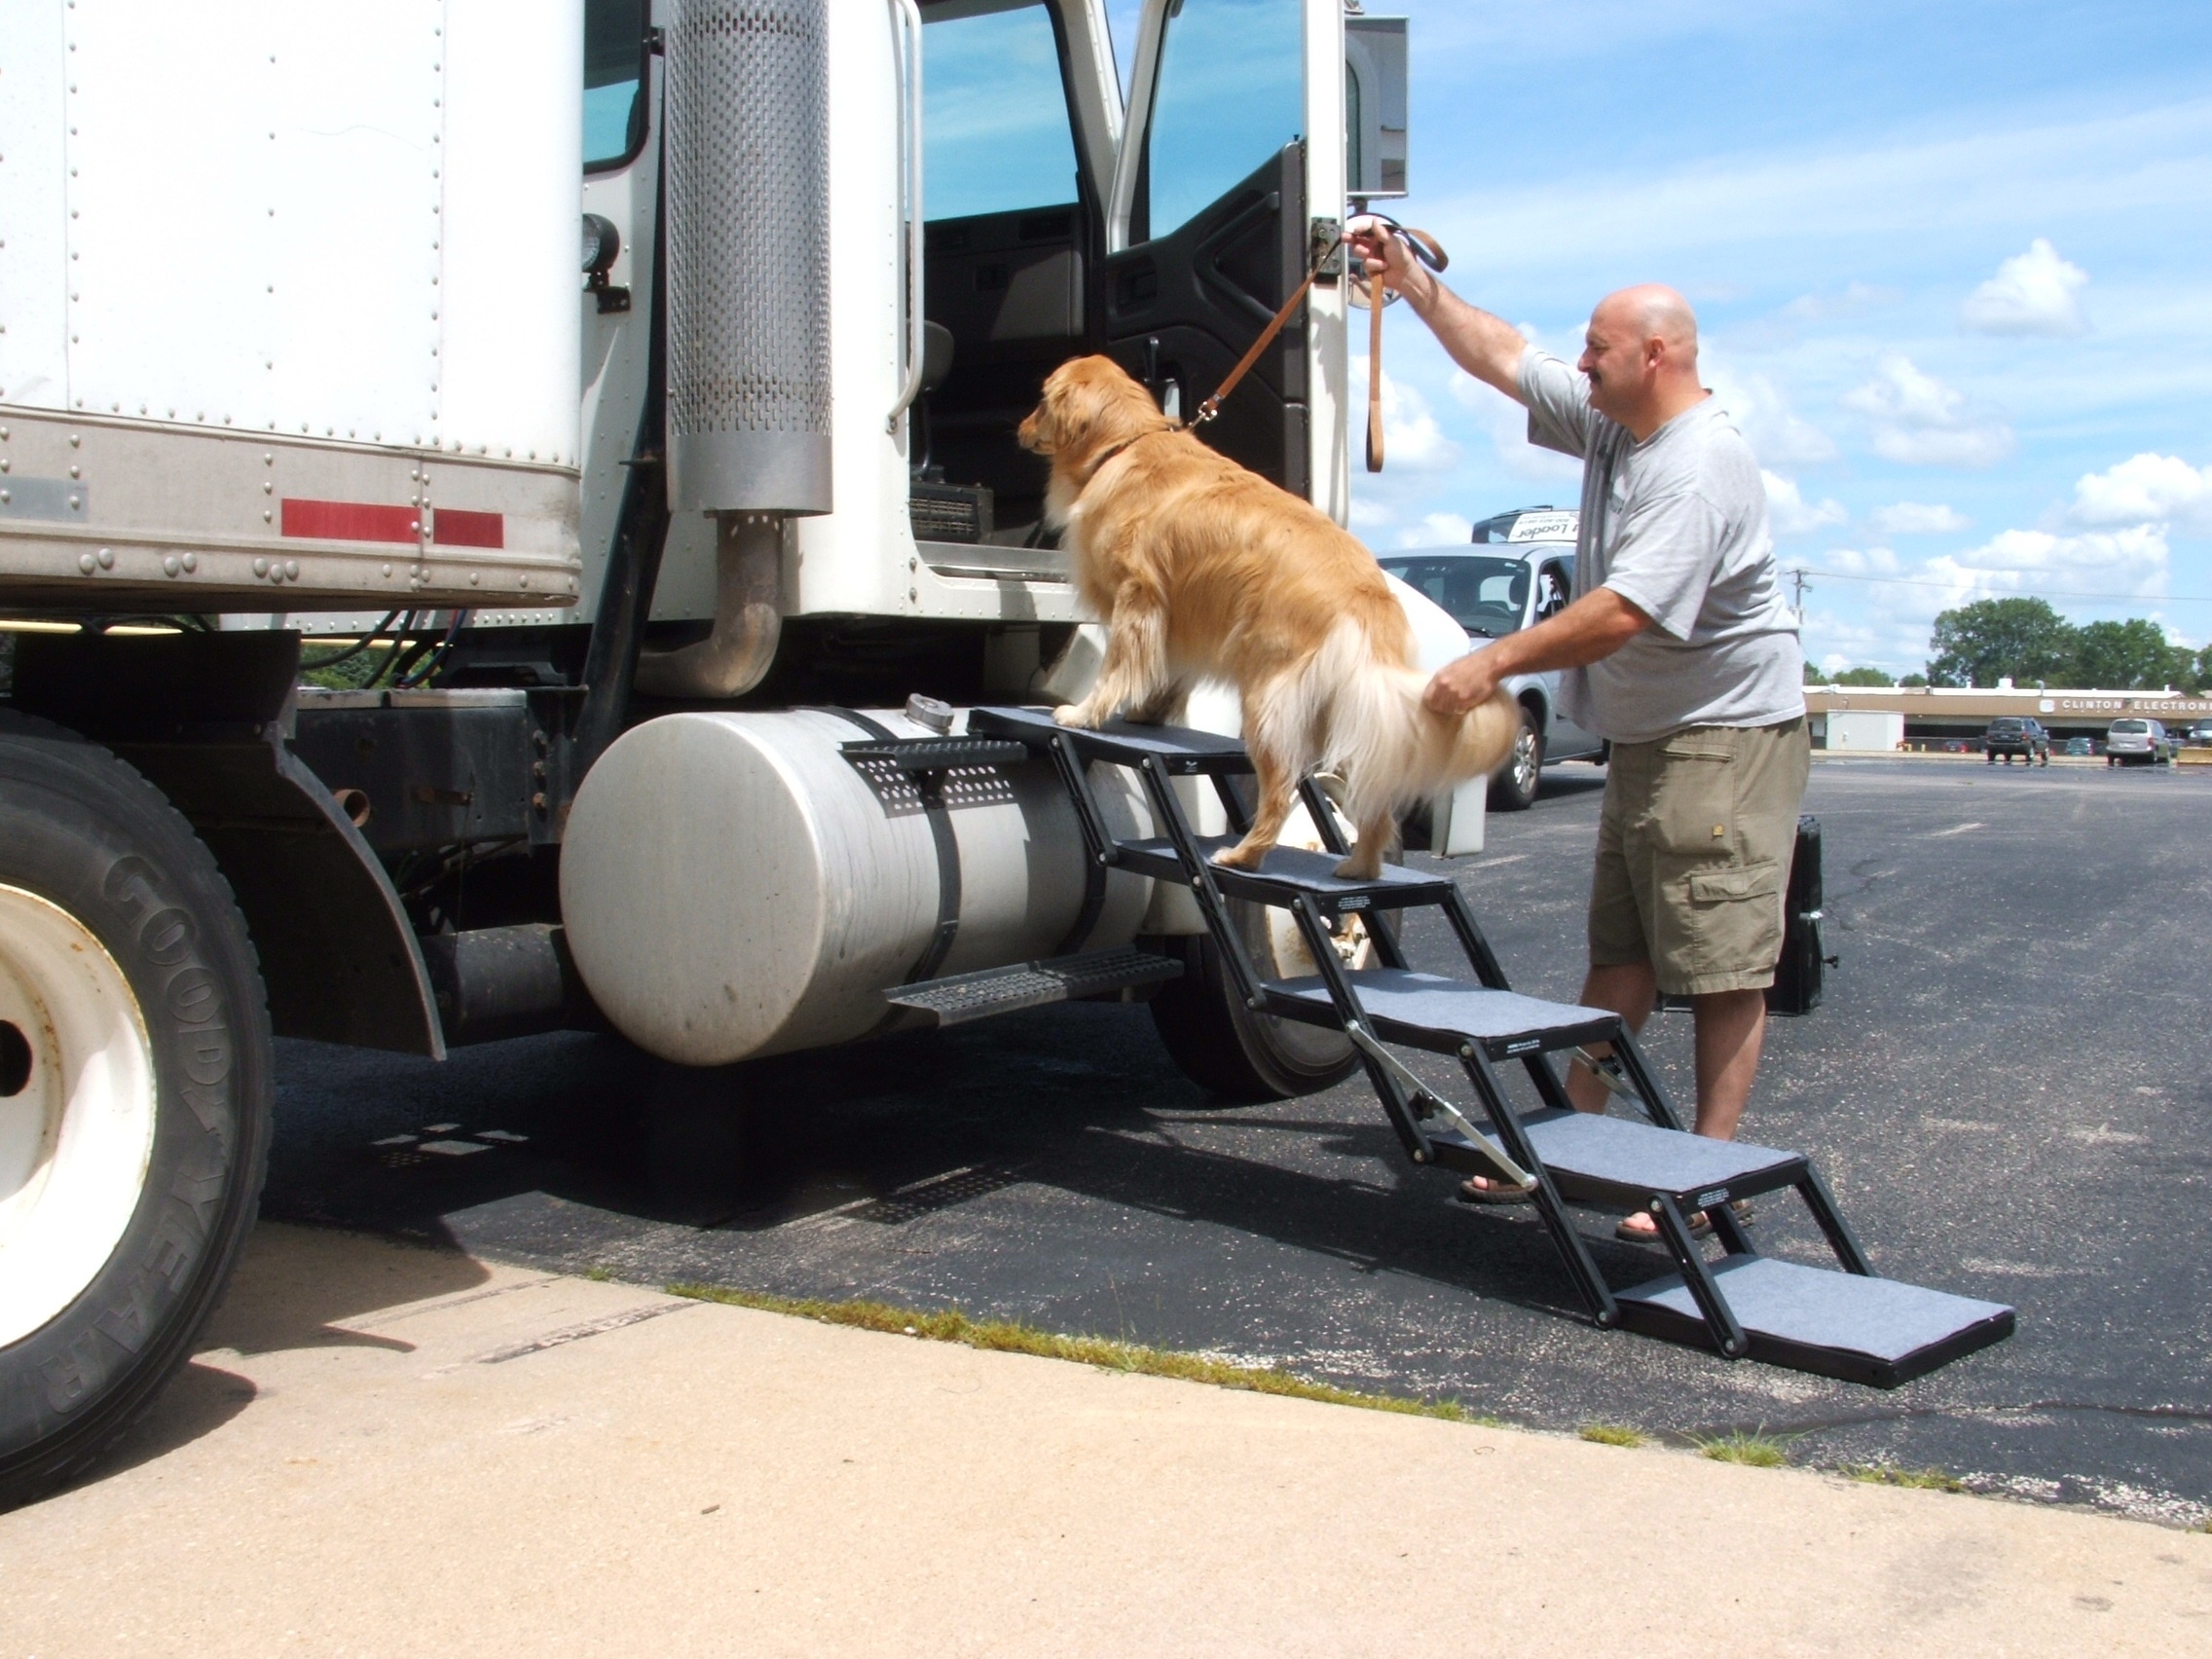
{"points": [[1390, 750]]}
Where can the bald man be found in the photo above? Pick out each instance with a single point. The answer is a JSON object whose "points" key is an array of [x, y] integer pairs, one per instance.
{"points": [[1680, 652]]}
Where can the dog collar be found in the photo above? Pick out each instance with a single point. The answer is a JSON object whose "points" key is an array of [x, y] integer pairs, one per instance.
{"points": [[1113, 450]]}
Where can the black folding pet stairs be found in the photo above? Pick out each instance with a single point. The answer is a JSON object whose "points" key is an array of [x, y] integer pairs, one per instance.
{"points": [[1848, 1324]]}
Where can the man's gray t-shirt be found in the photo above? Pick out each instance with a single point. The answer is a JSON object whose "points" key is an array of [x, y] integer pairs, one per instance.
{"points": [[1677, 526]]}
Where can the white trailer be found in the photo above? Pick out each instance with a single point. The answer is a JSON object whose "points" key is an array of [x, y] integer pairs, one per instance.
{"points": [[291, 340]]}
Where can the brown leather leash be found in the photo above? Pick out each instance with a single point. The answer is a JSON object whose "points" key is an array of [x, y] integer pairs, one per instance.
{"points": [[1426, 248], [1423, 247], [1211, 407]]}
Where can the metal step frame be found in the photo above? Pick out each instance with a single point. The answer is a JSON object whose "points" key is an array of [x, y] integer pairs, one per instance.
{"points": [[1816, 1319]]}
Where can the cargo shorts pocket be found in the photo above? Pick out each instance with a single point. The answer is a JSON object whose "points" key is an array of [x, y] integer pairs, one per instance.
{"points": [[1734, 922], [1693, 801]]}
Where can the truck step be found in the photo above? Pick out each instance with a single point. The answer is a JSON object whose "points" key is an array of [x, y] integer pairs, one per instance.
{"points": [[1286, 874], [962, 997], [1426, 1011], [938, 753], [1875, 1331], [1600, 1160], [1183, 752]]}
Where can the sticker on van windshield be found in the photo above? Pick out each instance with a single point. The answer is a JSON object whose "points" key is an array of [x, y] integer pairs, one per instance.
{"points": [[1544, 527]]}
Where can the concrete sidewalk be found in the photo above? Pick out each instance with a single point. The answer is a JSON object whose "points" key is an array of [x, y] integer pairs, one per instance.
{"points": [[389, 1450]]}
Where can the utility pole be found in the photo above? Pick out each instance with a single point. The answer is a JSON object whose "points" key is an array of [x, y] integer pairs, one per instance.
{"points": [[1797, 575]]}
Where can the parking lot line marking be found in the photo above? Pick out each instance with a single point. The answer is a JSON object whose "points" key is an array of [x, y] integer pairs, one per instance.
{"points": [[1955, 830]]}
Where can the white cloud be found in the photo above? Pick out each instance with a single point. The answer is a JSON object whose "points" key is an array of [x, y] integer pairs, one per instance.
{"points": [[2036, 292], [1507, 425], [1788, 511], [1435, 530], [1920, 422], [1777, 435], [1918, 518], [2132, 561], [1367, 513], [1855, 298], [1850, 561], [1412, 440], [2147, 489]]}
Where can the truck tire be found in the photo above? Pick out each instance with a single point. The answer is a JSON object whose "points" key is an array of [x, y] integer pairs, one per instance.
{"points": [[1514, 788], [1224, 1046], [135, 1083]]}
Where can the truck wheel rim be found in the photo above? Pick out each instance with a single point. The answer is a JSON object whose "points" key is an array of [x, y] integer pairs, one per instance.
{"points": [[76, 1096]]}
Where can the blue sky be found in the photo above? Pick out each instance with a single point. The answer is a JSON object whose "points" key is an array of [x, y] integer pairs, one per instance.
{"points": [[1953, 265]]}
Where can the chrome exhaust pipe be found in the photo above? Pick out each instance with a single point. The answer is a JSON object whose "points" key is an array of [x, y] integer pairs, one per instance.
{"points": [[749, 617]]}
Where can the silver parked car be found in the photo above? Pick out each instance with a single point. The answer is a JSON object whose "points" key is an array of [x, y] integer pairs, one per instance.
{"points": [[1492, 589], [2132, 741]]}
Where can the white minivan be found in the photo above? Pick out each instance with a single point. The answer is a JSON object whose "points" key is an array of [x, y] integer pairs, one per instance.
{"points": [[1519, 570], [2132, 740]]}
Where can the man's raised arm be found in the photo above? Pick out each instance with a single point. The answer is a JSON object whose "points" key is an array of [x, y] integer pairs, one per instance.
{"points": [[1487, 347]]}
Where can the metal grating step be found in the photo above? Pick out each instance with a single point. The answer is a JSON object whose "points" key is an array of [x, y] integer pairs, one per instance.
{"points": [[963, 997], [1426, 1011], [1182, 751], [1876, 1331], [940, 754]]}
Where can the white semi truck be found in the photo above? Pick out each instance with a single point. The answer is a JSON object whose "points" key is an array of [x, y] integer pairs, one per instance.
{"points": [[291, 337]]}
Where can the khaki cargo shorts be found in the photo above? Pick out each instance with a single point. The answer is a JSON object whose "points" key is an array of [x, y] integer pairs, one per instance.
{"points": [[1693, 855]]}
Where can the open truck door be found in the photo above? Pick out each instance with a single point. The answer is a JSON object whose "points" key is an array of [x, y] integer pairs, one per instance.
{"points": [[1228, 181]]}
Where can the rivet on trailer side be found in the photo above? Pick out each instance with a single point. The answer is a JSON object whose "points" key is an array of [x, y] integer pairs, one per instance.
{"points": [[292, 335]]}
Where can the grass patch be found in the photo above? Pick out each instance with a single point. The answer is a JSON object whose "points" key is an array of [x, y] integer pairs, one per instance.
{"points": [[600, 1275], [1757, 1450], [1920, 1480], [1615, 1434], [1007, 1336]]}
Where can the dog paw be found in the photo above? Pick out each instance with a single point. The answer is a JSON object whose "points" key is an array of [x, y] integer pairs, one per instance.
{"points": [[1076, 714], [1242, 856], [1359, 868]]}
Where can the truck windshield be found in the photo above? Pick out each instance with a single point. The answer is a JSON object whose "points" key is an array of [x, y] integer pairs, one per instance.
{"points": [[615, 60], [995, 130], [1483, 593]]}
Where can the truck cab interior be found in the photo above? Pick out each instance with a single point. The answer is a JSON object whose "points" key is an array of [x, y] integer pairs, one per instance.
{"points": [[1024, 266]]}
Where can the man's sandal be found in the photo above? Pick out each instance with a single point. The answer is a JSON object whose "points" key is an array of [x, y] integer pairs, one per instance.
{"points": [[1700, 1225], [1482, 1190]]}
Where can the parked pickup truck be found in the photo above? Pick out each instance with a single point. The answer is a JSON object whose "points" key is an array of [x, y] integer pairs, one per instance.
{"points": [[1519, 570]]}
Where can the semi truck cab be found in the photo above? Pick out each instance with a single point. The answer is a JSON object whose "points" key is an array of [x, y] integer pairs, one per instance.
{"points": [[417, 635]]}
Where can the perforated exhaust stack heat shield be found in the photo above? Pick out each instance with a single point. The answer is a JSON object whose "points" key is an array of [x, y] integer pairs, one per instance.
{"points": [[748, 97]]}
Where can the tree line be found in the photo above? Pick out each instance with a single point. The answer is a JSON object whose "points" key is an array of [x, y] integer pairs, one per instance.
{"points": [[2026, 641]]}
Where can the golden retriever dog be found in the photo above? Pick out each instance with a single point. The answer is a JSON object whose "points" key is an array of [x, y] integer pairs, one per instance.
{"points": [[1203, 570]]}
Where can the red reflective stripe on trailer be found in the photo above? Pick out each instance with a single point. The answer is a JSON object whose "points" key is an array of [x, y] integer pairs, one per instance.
{"points": [[349, 521], [450, 528]]}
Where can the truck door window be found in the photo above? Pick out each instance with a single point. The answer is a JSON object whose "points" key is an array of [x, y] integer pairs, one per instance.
{"points": [[614, 67], [1231, 93], [995, 129], [1554, 590]]}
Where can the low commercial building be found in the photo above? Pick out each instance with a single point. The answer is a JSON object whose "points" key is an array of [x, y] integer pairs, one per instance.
{"points": [[1863, 718]]}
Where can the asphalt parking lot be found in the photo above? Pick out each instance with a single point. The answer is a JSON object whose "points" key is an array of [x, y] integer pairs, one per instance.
{"points": [[2008, 1089]]}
